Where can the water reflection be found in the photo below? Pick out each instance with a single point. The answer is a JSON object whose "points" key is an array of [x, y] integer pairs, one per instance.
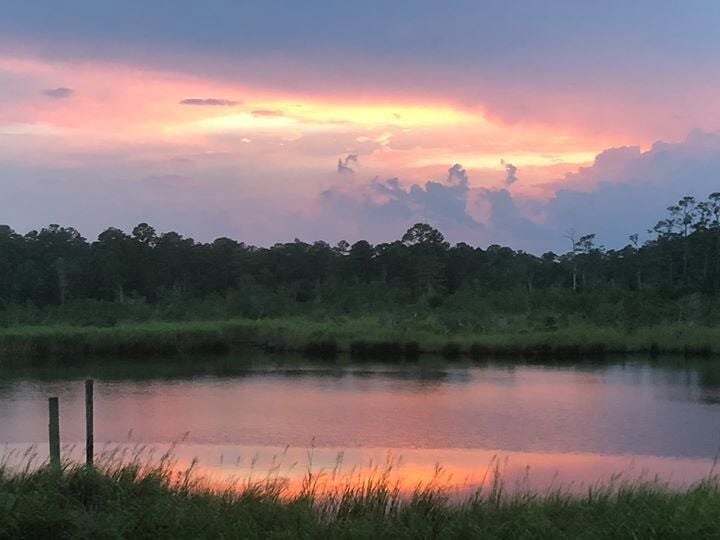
{"points": [[569, 423]]}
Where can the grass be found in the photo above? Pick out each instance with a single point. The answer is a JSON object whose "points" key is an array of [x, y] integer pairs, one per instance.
{"points": [[132, 501], [363, 338]]}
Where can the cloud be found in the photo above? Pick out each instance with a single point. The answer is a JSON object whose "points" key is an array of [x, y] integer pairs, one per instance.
{"points": [[625, 191], [457, 176], [58, 93], [213, 102], [381, 209], [510, 172], [407, 54], [508, 223], [343, 166], [267, 113]]}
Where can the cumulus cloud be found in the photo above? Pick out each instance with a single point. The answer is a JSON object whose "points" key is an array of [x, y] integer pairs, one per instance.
{"points": [[510, 172], [380, 210], [343, 166], [625, 191], [58, 93], [383, 207], [457, 176], [212, 102], [445, 201]]}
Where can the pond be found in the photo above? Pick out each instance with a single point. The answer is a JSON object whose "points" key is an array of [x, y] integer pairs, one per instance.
{"points": [[538, 426]]}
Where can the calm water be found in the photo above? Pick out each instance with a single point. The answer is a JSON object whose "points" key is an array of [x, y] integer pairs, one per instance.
{"points": [[541, 426]]}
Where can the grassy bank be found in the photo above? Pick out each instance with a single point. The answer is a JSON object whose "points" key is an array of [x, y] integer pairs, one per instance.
{"points": [[365, 338], [129, 502]]}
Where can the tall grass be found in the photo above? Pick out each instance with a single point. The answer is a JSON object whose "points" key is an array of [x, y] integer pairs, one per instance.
{"points": [[132, 501], [363, 338]]}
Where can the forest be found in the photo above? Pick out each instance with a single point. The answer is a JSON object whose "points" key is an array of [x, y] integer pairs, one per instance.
{"points": [[55, 275]]}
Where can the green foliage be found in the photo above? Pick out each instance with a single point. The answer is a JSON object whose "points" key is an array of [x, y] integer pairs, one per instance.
{"points": [[56, 277]]}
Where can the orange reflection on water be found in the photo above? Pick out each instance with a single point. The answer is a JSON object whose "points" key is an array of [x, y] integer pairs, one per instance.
{"points": [[537, 427], [458, 471]]}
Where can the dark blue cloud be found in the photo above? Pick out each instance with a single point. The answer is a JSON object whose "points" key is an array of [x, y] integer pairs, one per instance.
{"points": [[343, 165], [385, 206], [510, 172], [58, 93], [634, 188], [421, 25], [542, 38], [625, 191], [213, 102]]}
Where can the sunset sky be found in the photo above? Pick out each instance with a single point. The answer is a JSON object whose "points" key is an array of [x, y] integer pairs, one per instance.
{"points": [[267, 121]]}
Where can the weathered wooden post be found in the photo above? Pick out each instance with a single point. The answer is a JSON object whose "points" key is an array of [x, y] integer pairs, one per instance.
{"points": [[54, 431], [89, 435]]}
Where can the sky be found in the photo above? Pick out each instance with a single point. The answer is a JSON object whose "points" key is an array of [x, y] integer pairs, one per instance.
{"points": [[498, 122]]}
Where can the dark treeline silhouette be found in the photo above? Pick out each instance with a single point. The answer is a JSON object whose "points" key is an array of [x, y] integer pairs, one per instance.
{"points": [[56, 275]]}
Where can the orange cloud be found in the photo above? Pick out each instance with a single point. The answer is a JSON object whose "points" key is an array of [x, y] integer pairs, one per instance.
{"points": [[121, 116], [114, 104]]}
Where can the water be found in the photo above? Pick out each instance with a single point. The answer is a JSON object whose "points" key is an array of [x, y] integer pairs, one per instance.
{"points": [[540, 426]]}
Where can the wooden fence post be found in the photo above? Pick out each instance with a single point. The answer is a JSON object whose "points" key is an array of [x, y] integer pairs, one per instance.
{"points": [[89, 434], [54, 431]]}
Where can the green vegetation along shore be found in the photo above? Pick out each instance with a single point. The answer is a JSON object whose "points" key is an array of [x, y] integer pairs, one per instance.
{"points": [[148, 294], [132, 502], [55, 276], [367, 338]]}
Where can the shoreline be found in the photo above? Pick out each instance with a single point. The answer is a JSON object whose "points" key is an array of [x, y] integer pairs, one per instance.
{"points": [[360, 339]]}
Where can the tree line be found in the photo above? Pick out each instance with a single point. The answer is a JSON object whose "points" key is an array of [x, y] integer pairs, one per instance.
{"points": [[138, 273]]}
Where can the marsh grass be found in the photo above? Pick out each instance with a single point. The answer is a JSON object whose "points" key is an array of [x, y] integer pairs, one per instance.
{"points": [[363, 338], [141, 500]]}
